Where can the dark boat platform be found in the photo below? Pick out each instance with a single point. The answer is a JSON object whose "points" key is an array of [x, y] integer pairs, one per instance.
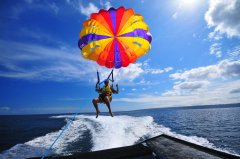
{"points": [[159, 147]]}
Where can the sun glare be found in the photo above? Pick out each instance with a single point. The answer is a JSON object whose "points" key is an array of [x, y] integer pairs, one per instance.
{"points": [[188, 4], [186, 7]]}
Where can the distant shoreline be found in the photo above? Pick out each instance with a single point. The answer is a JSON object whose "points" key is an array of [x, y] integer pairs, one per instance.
{"points": [[233, 105]]}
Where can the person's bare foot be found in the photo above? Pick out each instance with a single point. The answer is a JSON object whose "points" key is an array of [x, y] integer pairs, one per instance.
{"points": [[111, 114], [97, 114]]}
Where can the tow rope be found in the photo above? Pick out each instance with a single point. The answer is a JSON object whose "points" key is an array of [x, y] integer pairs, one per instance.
{"points": [[46, 152]]}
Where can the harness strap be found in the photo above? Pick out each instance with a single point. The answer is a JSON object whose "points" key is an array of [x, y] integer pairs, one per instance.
{"points": [[108, 78], [98, 78]]}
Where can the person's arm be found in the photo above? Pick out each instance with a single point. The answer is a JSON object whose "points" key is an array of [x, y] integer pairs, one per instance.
{"points": [[115, 91], [97, 88]]}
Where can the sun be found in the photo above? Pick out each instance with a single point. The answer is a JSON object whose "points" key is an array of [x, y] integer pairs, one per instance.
{"points": [[188, 4]]}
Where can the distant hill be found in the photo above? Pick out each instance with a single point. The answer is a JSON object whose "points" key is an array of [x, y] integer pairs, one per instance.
{"points": [[210, 106], [198, 107]]}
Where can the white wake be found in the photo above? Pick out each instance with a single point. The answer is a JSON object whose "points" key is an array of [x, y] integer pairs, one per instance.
{"points": [[106, 132]]}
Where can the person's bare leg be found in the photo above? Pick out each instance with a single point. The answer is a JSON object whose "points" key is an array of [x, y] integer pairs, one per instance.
{"points": [[95, 103], [107, 101]]}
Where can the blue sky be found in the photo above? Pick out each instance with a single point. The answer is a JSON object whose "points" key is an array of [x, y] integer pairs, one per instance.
{"points": [[194, 57]]}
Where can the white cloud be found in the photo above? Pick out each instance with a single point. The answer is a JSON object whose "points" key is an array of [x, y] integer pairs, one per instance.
{"points": [[129, 73], [157, 71], [214, 35], [191, 85], [215, 49], [234, 53], [218, 94], [201, 79], [88, 10], [107, 5], [224, 69], [175, 15], [235, 90], [145, 63], [224, 17], [43, 6], [154, 71], [36, 62], [167, 69], [134, 71], [186, 88], [37, 35], [141, 82], [54, 7], [149, 70], [123, 75], [84, 10], [134, 89]]}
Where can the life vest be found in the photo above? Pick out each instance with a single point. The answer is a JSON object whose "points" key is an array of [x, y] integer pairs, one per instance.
{"points": [[107, 90]]}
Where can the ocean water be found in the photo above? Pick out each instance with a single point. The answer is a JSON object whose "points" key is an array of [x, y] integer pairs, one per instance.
{"points": [[29, 136]]}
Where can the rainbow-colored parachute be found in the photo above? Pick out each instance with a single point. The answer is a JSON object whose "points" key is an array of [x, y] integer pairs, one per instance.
{"points": [[114, 38]]}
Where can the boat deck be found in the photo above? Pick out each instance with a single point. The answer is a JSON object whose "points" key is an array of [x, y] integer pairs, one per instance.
{"points": [[159, 147], [168, 147]]}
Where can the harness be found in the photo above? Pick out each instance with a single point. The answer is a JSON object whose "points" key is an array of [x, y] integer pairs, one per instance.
{"points": [[106, 90]]}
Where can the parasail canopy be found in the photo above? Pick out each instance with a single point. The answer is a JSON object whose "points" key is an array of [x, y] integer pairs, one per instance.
{"points": [[114, 38]]}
